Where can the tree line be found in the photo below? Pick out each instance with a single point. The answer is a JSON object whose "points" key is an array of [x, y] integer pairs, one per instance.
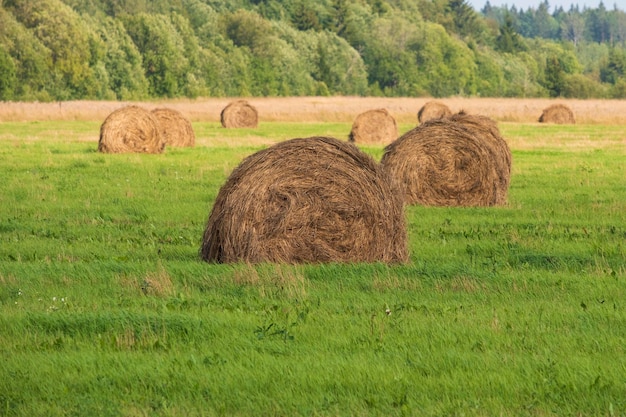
{"points": [[142, 49]]}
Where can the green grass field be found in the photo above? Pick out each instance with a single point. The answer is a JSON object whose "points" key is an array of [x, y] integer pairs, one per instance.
{"points": [[107, 310]]}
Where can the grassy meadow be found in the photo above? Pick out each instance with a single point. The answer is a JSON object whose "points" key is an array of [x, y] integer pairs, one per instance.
{"points": [[106, 309]]}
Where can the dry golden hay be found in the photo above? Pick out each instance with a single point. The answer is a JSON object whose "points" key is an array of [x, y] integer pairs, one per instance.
{"points": [[433, 110], [175, 128], [130, 129], [374, 126], [557, 113], [487, 129], [447, 162], [239, 114], [307, 200]]}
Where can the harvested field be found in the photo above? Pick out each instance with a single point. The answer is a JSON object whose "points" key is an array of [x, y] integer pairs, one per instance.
{"points": [[326, 109]]}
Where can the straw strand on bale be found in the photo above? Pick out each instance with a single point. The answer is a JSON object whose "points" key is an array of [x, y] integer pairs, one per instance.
{"points": [[307, 200], [446, 163], [557, 113], [433, 110], [130, 129], [239, 114], [374, 126], [175, 128]]}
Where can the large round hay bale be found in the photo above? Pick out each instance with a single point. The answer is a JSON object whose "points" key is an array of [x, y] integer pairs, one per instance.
{"points": [[487, 129], [445, 163], [175, 128], [374, 126], [557, 113], [130, 129], [433, 110], [307, 200], [239, 114]]}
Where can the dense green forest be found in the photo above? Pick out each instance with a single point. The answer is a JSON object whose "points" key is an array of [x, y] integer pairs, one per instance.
{"points": [[141, 49]]}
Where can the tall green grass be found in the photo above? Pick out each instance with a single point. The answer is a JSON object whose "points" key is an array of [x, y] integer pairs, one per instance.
{"points": [[106, 308]]}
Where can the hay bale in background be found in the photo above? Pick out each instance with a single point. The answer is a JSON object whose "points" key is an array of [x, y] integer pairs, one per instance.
{"points": [[487, 129], [175, 128], [433, 110], [557, 113], [445, 163], [130, 129], [374, 126], [239, 114], [309, 200]]}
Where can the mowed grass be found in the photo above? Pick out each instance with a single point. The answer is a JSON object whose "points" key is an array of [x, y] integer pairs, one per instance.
{"points": [[107, 309]]}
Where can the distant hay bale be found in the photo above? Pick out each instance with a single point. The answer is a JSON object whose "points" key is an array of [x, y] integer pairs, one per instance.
{"points": [[433, 110], [450, 162], [175, 129], [130, 129], [239, 114], [374, 126], [307, 200], [557, 113]]}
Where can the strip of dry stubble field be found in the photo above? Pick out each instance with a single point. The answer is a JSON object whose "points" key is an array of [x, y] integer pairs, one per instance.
{"points": [[325, 109]]}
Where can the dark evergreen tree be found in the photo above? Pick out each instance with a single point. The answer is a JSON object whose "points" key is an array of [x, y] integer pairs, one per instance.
{"points": [[615, 67], [339, 16], [379, 7], [554, 77], [305, 18], [545, 26], [464, 18], [509, 40], [598, 24]]}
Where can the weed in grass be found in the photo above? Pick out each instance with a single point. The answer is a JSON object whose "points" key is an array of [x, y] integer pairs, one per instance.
{"points": [[281, 321]]}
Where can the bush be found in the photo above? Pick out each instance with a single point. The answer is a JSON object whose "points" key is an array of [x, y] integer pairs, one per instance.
{"points": [[581, 86], [618, 90]]}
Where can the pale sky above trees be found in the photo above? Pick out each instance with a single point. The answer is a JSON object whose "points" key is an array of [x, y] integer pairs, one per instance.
{"points": [[566, 4]]}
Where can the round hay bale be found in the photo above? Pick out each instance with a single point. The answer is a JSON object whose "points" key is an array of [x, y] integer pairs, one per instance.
{"points": [[307, 200], [445, 163], [557, 113], [433, 110], [239, 114], [130, 129], [175, 128], [374, 126], [487, 129]]}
